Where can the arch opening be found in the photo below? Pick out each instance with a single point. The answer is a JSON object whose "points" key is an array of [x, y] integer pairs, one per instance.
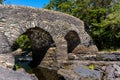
{"points": [[40, 42], [73, 40]]}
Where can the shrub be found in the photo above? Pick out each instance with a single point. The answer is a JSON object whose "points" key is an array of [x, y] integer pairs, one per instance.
{"points": [[22, 42]]}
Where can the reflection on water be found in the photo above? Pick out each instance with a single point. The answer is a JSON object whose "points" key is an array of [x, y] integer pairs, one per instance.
{"points": [[42, 73]]}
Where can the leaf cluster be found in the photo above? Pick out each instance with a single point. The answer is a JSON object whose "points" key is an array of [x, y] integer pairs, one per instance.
{"points": [[22, 42]]}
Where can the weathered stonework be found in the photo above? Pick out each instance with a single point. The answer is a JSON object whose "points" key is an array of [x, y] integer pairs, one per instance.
{"points": [[16, 20]]}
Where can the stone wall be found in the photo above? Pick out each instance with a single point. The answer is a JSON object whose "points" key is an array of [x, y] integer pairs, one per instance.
{"points": [[16, 20]]}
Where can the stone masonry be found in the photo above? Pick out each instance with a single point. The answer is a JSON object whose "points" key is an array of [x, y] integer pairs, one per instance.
{"points": [[16, 20]]}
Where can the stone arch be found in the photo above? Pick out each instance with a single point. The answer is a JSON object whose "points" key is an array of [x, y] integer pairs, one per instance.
{"points": [[41, 41], [53, 40], [27, 29], [72, 39], [55, 23]]}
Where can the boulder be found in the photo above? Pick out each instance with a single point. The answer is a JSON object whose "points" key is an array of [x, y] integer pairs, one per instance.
{"points": [[13, 75], [79, 70], [76, 72], [68, 74], [81, 49], [85, 73], [93, 48], [46, 73]]}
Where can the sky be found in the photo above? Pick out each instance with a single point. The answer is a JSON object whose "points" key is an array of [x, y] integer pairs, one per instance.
{"points": [[32, 3]]}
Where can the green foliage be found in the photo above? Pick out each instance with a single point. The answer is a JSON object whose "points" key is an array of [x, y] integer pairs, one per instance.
{"points": [[91, 66], [22, 42], [90, 11], [16, 67], [101, 18], [107, 33]]}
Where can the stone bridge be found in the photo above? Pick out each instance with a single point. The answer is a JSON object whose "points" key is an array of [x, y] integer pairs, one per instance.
{"points": [[45, 28]]}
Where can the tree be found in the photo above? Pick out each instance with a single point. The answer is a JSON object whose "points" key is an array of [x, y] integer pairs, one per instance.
{"points": [[107, 33], [92, 12]]}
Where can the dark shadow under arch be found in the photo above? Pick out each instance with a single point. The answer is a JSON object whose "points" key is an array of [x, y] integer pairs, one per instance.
{"points": [[40, 41], [73, 40]]}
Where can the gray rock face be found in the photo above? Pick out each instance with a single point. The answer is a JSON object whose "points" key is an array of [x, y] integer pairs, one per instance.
{"points": [[15, 21], [4, 46], [87, 73], [117, 70], [7, 61], [80, 73], [110, 73], [7, 74]]}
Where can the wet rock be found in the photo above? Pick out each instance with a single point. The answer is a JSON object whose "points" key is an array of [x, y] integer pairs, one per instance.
{"points": [[12, 75], [24, 59]]}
